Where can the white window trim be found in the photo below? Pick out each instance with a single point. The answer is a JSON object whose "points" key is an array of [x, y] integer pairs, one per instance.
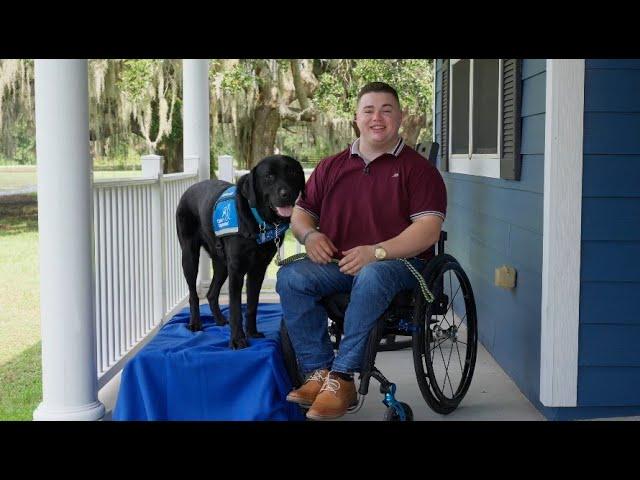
{"points": [[484, 165], [561, 242]]}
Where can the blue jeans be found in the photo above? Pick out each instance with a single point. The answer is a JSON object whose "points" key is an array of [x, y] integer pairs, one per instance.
{"points": [[302, 284]]}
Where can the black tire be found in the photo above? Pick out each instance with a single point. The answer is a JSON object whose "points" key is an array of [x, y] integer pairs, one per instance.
{"points": [[438, 330], [390, 415], [290, 361]]}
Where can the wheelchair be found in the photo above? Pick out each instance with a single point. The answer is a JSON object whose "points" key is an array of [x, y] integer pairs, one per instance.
{"points": [[444, 338]]}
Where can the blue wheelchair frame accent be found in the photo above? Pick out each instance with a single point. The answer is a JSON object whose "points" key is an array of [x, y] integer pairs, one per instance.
{"points": [[390, 401]]}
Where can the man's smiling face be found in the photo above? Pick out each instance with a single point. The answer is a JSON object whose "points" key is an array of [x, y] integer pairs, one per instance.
{"points": [[378, 118]]}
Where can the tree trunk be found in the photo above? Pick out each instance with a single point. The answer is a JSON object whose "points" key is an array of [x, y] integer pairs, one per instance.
{"points": [[411, 127], [263, 136]]}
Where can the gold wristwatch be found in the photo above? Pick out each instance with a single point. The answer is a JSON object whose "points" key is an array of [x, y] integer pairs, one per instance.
{"points": [[380, 253]]}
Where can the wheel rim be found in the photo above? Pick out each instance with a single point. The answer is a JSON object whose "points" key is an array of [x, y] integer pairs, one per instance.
{"points": [[450, 337]]}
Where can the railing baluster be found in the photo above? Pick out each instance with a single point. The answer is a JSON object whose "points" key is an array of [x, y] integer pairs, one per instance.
{"points": [[96, 279], [138, 279], [145, 256], [113, 289], [127, 268]]}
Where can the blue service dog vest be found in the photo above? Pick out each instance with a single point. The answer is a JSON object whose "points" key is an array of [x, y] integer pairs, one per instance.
{"points": [[225, 219]]}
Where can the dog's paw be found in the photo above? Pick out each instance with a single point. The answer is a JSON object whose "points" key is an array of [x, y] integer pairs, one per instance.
{"points": [[195, 327], [238, 343], [256, 334]]}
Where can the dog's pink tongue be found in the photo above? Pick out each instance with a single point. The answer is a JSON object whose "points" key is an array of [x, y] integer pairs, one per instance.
{"points": [[284, 211]]}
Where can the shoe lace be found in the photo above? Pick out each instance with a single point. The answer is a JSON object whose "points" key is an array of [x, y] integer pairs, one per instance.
{"points": [[331, 385], [317, 376]]}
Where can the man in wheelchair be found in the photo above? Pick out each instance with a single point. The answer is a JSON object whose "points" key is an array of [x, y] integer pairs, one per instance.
{"points": [[366, 207]]}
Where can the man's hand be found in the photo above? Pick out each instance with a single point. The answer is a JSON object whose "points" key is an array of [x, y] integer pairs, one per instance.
{"points": [[320, 249], [356, 258]]}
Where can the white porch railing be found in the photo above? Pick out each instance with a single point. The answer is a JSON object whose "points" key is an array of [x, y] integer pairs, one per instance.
{"points": [[138, 274]]}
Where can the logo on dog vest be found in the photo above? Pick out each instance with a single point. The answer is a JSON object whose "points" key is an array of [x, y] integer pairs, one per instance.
{"points": [[225, 219], [225, 214]]}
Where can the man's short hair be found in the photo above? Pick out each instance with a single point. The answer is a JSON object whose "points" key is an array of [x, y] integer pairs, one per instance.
{"points": [[378, 87]]}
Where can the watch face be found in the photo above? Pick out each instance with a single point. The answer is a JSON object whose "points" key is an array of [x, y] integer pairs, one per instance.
{"points": [[380, 253]]}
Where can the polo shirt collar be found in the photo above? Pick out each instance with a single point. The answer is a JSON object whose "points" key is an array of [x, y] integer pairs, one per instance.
{"points": [[395, 150]]}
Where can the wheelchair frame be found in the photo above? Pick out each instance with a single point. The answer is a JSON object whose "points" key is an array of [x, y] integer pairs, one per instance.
{"points": [[393, 322]]}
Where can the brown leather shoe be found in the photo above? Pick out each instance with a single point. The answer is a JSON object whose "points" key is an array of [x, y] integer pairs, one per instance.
{"points": [[335, 397], [306, 394]]}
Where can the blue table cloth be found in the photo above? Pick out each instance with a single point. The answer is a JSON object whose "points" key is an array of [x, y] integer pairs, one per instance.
{"points": [[181, 375]]}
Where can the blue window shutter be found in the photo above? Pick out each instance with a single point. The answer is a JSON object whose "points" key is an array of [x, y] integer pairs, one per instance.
{"points": [[511, 160]]}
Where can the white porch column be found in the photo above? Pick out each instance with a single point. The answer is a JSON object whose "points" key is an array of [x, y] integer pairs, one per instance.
{"points": [[69, 377], [195, 120], [562, 227]]}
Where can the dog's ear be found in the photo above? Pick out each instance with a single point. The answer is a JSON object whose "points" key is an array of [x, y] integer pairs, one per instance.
{"points": [[247, 190], [303, 195]]}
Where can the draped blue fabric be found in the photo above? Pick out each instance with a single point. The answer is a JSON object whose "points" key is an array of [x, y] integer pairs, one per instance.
{"points": [[181, 375]]}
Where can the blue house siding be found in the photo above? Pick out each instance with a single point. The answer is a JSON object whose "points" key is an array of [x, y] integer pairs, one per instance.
{"points": [[609, 353], [492, 222]]}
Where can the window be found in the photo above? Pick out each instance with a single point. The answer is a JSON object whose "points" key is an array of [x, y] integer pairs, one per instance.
{"points": [[475, 102]]}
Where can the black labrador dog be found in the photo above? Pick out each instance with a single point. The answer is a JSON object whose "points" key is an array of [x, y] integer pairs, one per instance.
{"points": [[270, 189]]}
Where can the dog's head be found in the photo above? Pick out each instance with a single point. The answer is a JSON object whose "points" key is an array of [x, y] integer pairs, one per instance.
{"points": [[273, 186]]}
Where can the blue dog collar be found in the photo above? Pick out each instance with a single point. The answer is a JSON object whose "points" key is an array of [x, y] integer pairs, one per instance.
{"points": [[225, 219], [268, 231]]}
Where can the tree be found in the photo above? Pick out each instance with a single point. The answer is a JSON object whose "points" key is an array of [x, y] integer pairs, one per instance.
{"points": [[259, 96], [17, 120], [340, 81], [142, 97], [253, 103]]}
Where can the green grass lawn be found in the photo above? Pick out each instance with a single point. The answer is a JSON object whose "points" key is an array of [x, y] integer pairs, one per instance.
{"points": [[20, 347], [19, 177], [20, 382], [289, 249]]}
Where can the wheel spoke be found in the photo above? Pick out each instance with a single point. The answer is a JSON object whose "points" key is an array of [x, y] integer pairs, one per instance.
{"points": [[446, 369], [444, 380], [459, 359]]}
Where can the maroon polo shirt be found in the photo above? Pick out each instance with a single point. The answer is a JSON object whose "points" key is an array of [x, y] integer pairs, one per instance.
{"points": [[359, 204]]}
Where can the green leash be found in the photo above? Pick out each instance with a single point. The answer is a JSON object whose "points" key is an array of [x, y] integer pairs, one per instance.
{"points": [[426, 293]]}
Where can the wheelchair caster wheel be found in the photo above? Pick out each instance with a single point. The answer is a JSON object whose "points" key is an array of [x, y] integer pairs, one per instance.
{"points": [[391, 415]]}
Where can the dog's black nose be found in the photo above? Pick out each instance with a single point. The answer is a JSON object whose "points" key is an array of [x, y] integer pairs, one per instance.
{"points": [[284, 194]]}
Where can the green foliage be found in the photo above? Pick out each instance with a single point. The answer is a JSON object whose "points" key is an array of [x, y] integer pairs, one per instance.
{"points": [[298, 143], [240, 77], [413, 79], [21, 147], [137, 78], [333, 98]]}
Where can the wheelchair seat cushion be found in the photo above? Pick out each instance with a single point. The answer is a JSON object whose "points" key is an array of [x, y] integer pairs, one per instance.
{"points": [[336, 304]]}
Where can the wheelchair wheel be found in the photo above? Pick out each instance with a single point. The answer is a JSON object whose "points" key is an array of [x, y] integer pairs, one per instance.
{"points": [[391, 415], [445, 342]]}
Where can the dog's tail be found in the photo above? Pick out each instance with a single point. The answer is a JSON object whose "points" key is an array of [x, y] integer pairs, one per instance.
{"points": [[187, 223]]}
